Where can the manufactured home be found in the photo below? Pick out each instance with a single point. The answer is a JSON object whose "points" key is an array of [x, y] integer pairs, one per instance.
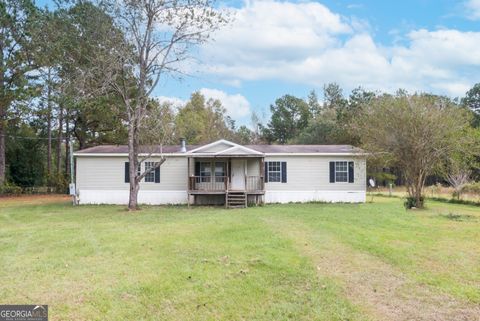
{"points": [[225, 173]]}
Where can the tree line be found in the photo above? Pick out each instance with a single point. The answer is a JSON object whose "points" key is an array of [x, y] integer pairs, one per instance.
{"points": [[84, 74]]}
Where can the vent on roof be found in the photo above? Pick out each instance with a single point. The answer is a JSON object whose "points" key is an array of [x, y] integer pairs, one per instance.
{"points": [[183, 146]]}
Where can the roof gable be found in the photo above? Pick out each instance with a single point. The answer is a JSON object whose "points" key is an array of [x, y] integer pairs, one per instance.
{"points": [[224, 147]]}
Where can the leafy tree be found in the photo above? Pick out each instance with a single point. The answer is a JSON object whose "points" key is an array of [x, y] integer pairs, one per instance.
{"points": [[24, 150], [414, 133], [290, 116], [313, 104], [358, 99], [333, 96], [202, 121], [86, 34], [472, 101], [323, 129], [17, 47], [331, 122], [244, 135]]}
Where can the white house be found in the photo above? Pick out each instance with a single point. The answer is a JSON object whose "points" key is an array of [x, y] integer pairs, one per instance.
{"points": [[225, 173]]}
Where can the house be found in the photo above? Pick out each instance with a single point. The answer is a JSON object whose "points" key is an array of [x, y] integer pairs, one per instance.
{"points": [[225, 173]]}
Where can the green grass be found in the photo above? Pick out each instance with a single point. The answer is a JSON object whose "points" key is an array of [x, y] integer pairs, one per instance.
{"points": [[278, 262]]}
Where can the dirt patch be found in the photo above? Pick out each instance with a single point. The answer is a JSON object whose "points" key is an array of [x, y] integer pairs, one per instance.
{"points": [[33, 199], [378, 288]]}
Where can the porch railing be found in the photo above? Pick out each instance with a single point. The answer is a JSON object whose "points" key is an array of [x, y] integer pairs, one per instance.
{"points": [[221, 183], [208, 183], [254, 183]]}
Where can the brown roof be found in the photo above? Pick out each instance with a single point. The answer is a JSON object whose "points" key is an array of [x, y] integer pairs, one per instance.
{"points": [[282, 149], [269, 149], [123, 149]]}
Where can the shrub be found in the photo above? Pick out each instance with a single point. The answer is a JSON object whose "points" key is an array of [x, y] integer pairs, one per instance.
{"points": [[473, 188], [58, 184], [10, 189], [411, 202]]}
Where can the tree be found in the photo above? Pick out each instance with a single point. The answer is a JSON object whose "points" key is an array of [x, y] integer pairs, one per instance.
{"points": [[24, 150], [159, 35], [331, 122], [414, 133], [458, 168], [472, 101], [323, 129], [85, 34], [458, 177], [333, 96], [202, 121], [17, 18], [313, 104], [244, 135], [290, 116]]}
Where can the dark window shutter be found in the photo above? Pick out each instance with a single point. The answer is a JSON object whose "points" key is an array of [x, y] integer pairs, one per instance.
{"points": [[157, 174], [332, 172], [127, 172], [351, 176], [284, 172], [266, 172], [197, 168]]}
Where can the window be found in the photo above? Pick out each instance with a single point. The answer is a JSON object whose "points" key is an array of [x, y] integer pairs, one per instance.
{"points": [[127, 171], [219, 172], [274, 171], [205, 172], [150, 177], [341, 172]]}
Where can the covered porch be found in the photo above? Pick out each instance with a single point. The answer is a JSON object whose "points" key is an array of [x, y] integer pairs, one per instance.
{"points": [[225, 173]]}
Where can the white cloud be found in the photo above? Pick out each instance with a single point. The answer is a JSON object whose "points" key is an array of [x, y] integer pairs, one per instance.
{"points": [[355, 6], [473, 9], [175, 101], [237, 106], [307, 43]]}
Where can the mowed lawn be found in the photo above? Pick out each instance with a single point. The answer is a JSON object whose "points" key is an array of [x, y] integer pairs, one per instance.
{"points": [[371, 261]]}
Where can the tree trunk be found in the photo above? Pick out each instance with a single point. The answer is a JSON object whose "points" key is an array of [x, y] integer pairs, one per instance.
{"points": [[59, 140], [133, 160], [67, 144], [3, 132], [49, 130], [418, 189], [3, 120]]}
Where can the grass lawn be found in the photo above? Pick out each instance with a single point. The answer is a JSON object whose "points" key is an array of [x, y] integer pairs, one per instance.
{"points": [[371, 261]]}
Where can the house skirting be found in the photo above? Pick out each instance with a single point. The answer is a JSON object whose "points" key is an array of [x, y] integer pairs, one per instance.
{"points": [[315, 196], [120, 197], [149, 197]]}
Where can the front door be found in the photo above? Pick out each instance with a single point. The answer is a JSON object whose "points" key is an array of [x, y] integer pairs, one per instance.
{"points": [[238, 174]]}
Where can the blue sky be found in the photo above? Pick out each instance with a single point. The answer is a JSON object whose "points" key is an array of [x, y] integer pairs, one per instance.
{"points": [[274, 48]]}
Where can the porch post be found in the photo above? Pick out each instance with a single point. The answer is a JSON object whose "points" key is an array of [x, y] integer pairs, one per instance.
{"points": [[245, 164], [188, 181], [262, 172]]}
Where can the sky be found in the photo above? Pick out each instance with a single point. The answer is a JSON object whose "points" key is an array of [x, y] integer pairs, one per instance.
{"points": [[272, 48]]}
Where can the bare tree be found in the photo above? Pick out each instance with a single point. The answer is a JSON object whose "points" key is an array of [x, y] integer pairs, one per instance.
{"points": [[458, 178], [415, 133], [159, 37], [457, 171]]}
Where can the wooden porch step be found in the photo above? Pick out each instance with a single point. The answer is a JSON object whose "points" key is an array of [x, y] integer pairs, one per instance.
{"points": [[236, 199]]}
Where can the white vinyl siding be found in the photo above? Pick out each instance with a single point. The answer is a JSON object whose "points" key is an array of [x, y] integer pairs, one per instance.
{"points": [[108, 173], [312, 173]]}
